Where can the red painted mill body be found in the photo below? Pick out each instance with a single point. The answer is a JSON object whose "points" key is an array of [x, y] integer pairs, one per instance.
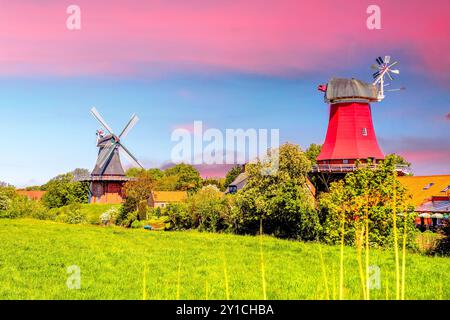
{"points": [[350, 135]]}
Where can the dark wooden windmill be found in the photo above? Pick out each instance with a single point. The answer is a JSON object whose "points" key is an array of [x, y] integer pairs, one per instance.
{"points": [[108, 177]]}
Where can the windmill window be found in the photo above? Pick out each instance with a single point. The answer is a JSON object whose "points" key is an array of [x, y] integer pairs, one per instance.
{"points": [[428, 186], [364, 132]]}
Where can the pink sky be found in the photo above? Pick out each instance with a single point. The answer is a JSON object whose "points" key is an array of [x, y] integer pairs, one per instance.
{"points": [[268, 37]]}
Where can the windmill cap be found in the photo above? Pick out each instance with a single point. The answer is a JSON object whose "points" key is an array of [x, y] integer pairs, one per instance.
{"points": [[342, 88]]}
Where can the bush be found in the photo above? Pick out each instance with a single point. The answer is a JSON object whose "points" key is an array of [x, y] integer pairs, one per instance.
{"points": [[137, 224], [209, 210], [64, 190], [178, 216], [443, 245], [71, 214], [108, 217], [5, 204], [366, 198]]}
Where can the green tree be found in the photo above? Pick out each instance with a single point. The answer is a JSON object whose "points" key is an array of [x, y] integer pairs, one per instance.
{"points": [[209, 209], [137, 192], [313, 152], [219, 183], [370, 202], [64, 190], [233, 174], [281, 200], [186, 176]]}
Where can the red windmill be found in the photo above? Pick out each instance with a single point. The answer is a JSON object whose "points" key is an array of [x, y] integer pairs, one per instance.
{"points": [[350, 134]]}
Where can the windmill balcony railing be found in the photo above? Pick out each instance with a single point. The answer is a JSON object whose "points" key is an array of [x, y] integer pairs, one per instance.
{"points": [[403, 169]]}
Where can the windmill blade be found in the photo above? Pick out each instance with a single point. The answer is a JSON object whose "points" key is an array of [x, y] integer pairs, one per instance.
{"points": [[104, 158], [392, 64], [131, 157], [376, 74], [134, 119], [396, 71], [387, 59], [397, 89], [389, 75], [379, 60], [102, 121]]}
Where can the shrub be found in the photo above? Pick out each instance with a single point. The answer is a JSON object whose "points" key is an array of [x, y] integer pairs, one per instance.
{"points": [[108, 217], [178, 216], [5, 204], [209, 210], [71, 214], [64, 190], [137, 224], [443, 244], [366, 198]]}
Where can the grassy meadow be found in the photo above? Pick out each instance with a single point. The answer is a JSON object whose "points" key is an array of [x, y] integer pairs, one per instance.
{"points": [[118, 263]]}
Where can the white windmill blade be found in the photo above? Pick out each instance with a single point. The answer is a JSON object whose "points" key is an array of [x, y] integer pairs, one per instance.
{"points": [[134, 119], [396, 71], [389, 75], [392, 64], [102, 121], [387, 59], [131, 157]]}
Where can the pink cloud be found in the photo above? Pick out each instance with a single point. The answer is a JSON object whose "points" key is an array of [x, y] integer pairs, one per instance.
{"points": [[265, 37], [447, 117], [427, 155]]}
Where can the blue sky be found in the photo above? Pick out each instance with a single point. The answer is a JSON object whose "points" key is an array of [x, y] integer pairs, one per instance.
{"points": [[230, 65]]}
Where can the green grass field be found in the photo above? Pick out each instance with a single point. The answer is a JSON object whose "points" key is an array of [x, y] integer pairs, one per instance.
{"points": [[119, 263]]}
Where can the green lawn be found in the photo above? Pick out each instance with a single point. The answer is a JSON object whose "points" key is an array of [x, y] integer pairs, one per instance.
{"points": [[119, 263]]}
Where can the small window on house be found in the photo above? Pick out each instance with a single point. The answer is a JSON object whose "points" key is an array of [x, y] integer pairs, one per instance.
{"points": [[345, 161], [446, 189], [163, 205], [428, 186], [364, 132]]}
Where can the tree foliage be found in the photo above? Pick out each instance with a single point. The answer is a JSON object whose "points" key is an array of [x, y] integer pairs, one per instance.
{"points": [[313, 152], [184, 177], [136, 192], [281, 200], [368, 197], [232, 174], [64, 190]]}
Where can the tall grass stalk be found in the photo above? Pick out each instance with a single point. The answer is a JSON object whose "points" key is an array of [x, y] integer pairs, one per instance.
{"points": [[367, 254], [179, 275], [263, 273], [341, 266], [334, 283], [144, 283], [324, 273], [404, 256], [387, 286], [359, 240], [225, 274], [397, 262]]}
